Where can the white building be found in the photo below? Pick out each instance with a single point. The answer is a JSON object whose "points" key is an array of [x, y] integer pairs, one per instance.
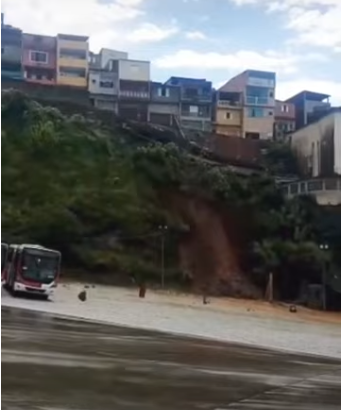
{"points": [[318, 146]]}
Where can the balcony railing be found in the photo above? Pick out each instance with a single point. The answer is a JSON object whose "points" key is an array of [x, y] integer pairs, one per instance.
{"points": [[195, 115], [196, 97], [261, 82], [330, 187], [16, 75], [257, 100], [140, 95], [226, 103]]}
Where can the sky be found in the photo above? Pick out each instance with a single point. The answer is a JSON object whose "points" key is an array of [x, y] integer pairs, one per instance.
{"points": [[214, 39]]}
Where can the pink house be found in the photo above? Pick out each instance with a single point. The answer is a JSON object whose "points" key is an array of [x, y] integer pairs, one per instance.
{"points": [[39, 58]]}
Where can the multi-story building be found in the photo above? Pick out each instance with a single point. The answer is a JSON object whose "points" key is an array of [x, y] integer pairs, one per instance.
{"points": [[134, 88], [103, 82], [39, 58], [164, 105], [72, 60], [195, 102], [11, 51], [318, 150], [104, 57], [318, 146], [258, 97], [284, 120], [228, 113], [309, 106], [103, 89]]}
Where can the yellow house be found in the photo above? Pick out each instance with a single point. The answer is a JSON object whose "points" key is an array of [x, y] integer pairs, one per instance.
{"points": [[72, 60], [229, 114]]}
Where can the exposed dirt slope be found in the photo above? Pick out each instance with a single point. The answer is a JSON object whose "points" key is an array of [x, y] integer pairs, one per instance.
{"points": [[208, 253]]}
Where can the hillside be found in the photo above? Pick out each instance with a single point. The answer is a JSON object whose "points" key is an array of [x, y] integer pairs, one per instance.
{"points": [[101, 193]]}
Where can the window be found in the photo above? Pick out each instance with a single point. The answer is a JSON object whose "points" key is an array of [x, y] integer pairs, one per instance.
{"points": [[93, 81], [39, 56], [72, 53], [284, 108], [271, 113], [271, 94], [2, 50], [206, 91], [228, 115], [256, 112], [190, 92], [163, 92], [72, 72], [113, 66], [193, 109], [106, 84]]}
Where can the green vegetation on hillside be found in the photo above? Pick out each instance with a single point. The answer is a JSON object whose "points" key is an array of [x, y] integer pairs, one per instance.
{"points": [[98, 195]]}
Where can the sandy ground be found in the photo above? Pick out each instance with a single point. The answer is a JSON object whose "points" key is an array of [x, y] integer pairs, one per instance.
{"points": [[250, 322]]}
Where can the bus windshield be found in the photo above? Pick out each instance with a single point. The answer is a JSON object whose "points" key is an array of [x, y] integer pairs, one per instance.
{"points": [[40, 266], [4, 249]]}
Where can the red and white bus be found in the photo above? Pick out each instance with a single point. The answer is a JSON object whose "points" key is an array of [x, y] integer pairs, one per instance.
{"points": [[32, 269], [4, 253]]}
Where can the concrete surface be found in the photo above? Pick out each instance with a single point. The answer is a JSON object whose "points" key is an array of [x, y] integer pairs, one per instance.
{"points": [[237, 323], [50, 363]]}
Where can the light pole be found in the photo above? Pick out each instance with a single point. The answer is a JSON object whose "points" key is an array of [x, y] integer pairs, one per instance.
{"points": [[163, 229], [324, 247]]}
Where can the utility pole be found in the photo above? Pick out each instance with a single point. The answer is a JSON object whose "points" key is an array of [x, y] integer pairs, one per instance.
{"points": [[163, 229], [324, 247]]}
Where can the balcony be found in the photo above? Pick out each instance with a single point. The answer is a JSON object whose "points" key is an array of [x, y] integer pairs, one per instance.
{"points": [[196, 95], [15, 75], [327, 191], [199, 115], [228, 104], [261, 82], [259, 100], [138, 95]]}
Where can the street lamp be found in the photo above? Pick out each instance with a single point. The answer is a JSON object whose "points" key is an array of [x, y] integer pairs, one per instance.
{"points": [[163, 229], [324, 247]]}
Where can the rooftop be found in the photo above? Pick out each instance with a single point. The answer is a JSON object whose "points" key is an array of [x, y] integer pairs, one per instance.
{"points": [[308, 95], [72, 37], [326, 113], [179, 80]]}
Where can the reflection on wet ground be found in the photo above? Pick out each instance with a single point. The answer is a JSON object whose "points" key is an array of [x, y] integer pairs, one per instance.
{"points": [[51, 363]]}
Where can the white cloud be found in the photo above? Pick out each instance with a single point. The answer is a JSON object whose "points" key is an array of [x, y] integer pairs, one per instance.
{"points": [[286, 89], [195, 35], [150, 32], [241, 60], [103, 22], [314, 22]]}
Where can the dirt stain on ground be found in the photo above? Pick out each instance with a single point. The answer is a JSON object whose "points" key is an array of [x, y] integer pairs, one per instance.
{"points": [[52, 364]]}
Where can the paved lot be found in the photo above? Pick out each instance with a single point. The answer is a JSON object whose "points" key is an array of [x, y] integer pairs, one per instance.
{"points": [[239, 322], [50, 363]]}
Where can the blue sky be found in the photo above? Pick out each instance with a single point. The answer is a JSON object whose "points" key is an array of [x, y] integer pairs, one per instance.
{"points": [[216, 39]]}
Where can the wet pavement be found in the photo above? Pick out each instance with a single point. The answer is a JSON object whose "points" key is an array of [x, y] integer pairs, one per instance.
{"points": [[53, 363]]}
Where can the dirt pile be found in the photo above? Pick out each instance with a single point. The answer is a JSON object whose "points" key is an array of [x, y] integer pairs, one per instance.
{"points": [[208, 253]]}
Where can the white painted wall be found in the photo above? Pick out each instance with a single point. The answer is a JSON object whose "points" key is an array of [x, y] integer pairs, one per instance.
{"points": [[337, 144], [307, 142], [164, 108], [106, 55], [134, 70]]}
